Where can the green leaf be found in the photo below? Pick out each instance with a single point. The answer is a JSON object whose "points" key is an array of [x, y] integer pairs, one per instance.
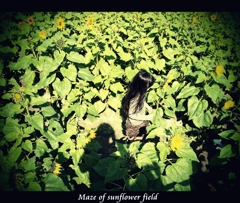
{"points": [[22, 63], [36, 101], [204, 119], [214, 92], [114, 102], [29, 164], [70, 72], [149, 150], [196, 107], [226, 152], [48, 111], [188, 91], [34, 186], [92, 110], [114, 172], [27, 145], [143, 161], [159, 64], [10, 109], [41, 148], [123, 55], [102, 166], [169, 53], [164, 150], [178, 172], [80, 109], [14, 154], [116, 87], [103, 94], [156, 132], [62, 87], [54, 183], [83, 175], [36, 121], [85, 74], [139, 183], [169, 102], [59, 56], [76, 57], [73, 95], [104, 67], [100, 106], [187, 153], [227, 134], [76, 155]]}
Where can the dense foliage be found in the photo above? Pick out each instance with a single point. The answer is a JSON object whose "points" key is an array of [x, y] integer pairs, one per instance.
{"points": [[59, 68]]}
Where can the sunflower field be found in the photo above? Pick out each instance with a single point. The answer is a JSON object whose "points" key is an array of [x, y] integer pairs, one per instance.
{"points": [[60, 68]]}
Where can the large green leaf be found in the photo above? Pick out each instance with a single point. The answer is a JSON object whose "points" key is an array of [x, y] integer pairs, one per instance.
{"points": [[116, 87], [188, 91], [62, 87], [227, 134], [180, 171], [204, 119], [214, 92], [80, 109], [27, 145], [139, 183], [76, 155], [70, 72], [36, 121], [143, 161], [226, 152], [13, 154], [114, 172], [164, 150], [76, 57], [196, 107], [10, 109], [102, 166], [41, 148], [85, 74], [54, 183], [59, 56], [187, 153]]}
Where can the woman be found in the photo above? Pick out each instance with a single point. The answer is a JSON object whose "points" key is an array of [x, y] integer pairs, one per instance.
{"points": [[135, 107]]}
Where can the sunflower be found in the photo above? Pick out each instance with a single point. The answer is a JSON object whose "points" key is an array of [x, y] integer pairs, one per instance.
{"points": [[88, 139], [139, 18], [17, 97], [90, 22], [176, 142], [228, 104], [213, 17], [166, 83], [60, 23], [57, 168], [219, 70], [92, 134], [42, 34], [30, 21], [194, 20]]}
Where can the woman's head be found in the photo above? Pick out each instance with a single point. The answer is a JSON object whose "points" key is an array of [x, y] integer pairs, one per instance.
{"points": [[142, 81], [137, 89]]}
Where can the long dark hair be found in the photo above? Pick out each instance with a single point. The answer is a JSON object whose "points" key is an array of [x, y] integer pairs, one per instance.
{"points": [[137, 89]]}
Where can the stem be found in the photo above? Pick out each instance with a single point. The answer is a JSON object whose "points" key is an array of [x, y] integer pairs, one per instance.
{"points": [[34, 53]]}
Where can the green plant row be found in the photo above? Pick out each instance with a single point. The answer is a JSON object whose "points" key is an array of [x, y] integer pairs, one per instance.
{"points": [[57, 69]]}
